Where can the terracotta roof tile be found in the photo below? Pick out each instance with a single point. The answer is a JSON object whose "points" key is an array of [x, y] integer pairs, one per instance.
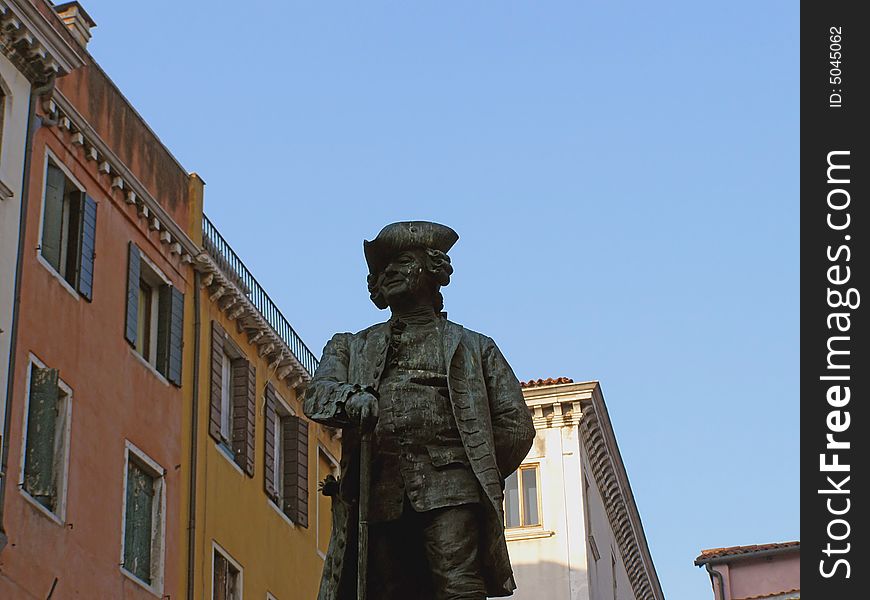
{"points": [[737, 551], [548, 381]]}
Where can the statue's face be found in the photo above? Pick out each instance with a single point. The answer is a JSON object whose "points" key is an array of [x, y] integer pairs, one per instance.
{"points": [[404, 278]]}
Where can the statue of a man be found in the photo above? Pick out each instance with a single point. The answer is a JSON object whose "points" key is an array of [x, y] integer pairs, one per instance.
{"points": [[449, 425]]}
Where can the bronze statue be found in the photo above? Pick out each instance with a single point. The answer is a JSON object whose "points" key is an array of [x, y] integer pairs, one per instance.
{"points": [[433, 421]]}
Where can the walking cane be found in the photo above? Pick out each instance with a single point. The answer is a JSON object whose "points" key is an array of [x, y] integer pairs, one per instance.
{"points": [[365, 460]]}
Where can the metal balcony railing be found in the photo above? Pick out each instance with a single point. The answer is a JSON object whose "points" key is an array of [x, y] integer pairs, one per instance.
{"points": [[235, 269]]}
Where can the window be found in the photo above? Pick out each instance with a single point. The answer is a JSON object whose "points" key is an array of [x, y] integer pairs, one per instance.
{"points": [[613, 571], [69, 223], [46, 442], [155, 316], [587, 506], [226, 398], [144, 503], [232, 402], [522, 498], [226, 577], [2, 110], [286, 458]]}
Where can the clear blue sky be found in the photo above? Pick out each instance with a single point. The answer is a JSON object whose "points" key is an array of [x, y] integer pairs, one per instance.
{"points": [[623, 177]]}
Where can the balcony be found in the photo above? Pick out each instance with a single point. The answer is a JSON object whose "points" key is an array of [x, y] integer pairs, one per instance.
{"points": [[237, 292]]}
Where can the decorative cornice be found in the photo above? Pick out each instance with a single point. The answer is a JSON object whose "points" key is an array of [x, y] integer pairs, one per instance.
{"points": [[32, 44], [611, 479], [63, 115], [228, 293], [582, 405], [554, 405]]}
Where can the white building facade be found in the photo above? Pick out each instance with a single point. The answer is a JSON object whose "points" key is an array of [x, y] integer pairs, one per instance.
{"points": [[572, 527]]}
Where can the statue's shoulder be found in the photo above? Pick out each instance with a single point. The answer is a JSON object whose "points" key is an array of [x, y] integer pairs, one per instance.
{"points": [[469, 336], [374, 329]]}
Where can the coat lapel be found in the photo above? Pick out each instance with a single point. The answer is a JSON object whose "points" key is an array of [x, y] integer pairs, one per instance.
{"points": [[372, 356], [452, 337]]}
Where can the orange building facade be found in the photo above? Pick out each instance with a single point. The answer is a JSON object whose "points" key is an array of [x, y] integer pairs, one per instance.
{"points": [[156, 445], [98, 394]]}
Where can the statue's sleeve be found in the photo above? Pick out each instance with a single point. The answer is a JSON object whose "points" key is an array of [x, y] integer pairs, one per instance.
{"points": [[512, 428], [329, 390]]}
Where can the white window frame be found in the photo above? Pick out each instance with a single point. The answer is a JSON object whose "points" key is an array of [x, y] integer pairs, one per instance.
{"points": [[58, 517], [225, 446], [52, 157], [335, 471], [156, 279], [226, 397], [215, 547], [5, 104], [158, 521], [536, 466], [280, 407]]}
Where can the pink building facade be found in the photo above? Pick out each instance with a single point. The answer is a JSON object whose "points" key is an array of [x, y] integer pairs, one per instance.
{"points": [[766, 571]]}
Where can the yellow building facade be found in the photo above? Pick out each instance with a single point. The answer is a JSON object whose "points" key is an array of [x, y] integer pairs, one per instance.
{"points": [[259, 527]]}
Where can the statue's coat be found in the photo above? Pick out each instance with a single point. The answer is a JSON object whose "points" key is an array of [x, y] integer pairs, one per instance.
{"points": [[494, 424]]}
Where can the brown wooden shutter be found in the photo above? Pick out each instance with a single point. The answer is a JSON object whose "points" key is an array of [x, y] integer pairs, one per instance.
{"points": [[221, 574], [244, 413], [42, 421], [87, 248], [269, 453], [296, 469], [217, 354], [132, 323]]}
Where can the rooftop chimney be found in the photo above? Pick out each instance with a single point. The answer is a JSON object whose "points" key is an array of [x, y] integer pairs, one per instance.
{"points": [[77, 20]]}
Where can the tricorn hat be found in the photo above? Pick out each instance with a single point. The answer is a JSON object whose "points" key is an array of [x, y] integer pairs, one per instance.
{"points": [[405, 235]]}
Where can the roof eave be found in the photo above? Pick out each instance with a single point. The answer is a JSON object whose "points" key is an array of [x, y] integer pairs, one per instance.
{"points": [[724, 558]]}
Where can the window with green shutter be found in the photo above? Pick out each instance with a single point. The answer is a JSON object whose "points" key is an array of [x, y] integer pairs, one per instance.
{"points": [[69, 229], [154, 316], [138, 521], [46, 438], [143, 519]]}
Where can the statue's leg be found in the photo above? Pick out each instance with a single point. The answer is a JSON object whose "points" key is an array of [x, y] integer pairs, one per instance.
{"points": [[396, 560], [451, 538]]}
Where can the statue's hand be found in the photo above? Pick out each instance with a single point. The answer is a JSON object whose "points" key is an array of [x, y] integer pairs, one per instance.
{"points": [[362, 408]]}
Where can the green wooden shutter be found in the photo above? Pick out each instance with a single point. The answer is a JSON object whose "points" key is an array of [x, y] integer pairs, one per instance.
{"points": [[271, 417], [138, 522], [42, 419], [217, 355], [176, 335], [170, 328], [71, 237], [87, 237], [163, 311], [132, 322], [244, 413], [52, 215]]}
